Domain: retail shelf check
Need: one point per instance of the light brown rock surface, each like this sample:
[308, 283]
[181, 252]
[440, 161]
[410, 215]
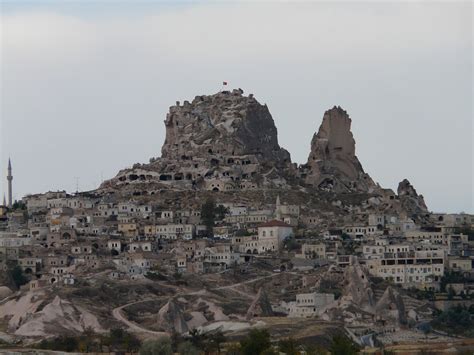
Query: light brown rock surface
[391, 307]
[332, 163]
[221, 142]
[171, 318]
[409, 198]
[57, 317]
[225, 124]
[227, 144]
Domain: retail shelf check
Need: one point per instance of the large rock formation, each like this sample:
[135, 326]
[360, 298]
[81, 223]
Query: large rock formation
[332, 163]
[360, 305]
[220, 142]
[25, 317]
[227, 142]
[223, 125]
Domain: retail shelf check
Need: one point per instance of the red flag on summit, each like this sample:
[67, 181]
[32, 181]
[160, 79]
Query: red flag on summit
[224, 83]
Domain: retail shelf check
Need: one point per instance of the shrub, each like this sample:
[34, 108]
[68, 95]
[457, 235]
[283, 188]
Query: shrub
[18, 277]
[187, 348]
[342, 345]
[161, 346]
[256, 342]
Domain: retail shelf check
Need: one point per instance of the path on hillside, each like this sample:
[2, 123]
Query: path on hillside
[118, 312]
[118, 315]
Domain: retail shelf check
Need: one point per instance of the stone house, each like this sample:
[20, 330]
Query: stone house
[38, 284]
[138, 246]
[271, 236]
[181, 263]
[195, 267]
[61, 237]
[128, 229]
[308, 304]
[115, 245]
[312, 251]
[175, 231]
[30, 265]
[418, 269]
[460, 264]
[8, 253]
[222, 255]
[360, 231]
[83, 248]
[51, 261]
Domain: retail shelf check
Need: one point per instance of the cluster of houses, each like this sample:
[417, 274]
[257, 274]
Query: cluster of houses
[402, 253]
[57, 238]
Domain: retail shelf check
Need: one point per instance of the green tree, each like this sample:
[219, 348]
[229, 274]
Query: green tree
[291, 244]
[176, 339]
[187, 348]
[161, 346]
[288, 346]
[451, 293]
[131, 342]
[197, 338]
[215, 341]
[315, 350]
[221, 212]
[342, 345]
[18, 277]
[234, 349]
[121, 340]
[450, 278]
[208, 215]
[62, 343]
[455, 320]
[256, 342]
[18, 205]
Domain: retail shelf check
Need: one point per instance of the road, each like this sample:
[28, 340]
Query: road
[118, 314]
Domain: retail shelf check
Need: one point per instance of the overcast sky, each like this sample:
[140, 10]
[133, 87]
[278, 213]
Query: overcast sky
[85, 86]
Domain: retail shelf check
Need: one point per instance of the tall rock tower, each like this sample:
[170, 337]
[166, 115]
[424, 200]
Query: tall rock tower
[332, 161]
[10, 189]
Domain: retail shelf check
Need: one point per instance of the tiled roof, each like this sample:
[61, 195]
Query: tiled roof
[274, 223]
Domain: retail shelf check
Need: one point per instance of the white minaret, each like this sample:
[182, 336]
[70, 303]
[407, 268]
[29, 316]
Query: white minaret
[10, 189]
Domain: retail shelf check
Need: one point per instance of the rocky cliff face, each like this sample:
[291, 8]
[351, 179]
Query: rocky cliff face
[410, 200]
[227, 142]
[221, 142]
[332, 163]
[171, 318]
[222, 125]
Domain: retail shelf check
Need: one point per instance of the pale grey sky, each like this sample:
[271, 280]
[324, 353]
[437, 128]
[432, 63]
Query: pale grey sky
[85, 87]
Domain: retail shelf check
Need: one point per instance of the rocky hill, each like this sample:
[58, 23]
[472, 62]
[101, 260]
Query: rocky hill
[221, 142]
[227, 143]
[332, 163]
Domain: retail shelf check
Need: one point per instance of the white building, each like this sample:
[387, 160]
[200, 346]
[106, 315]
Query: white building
[418, 269]
[271, 236]
[309, 304]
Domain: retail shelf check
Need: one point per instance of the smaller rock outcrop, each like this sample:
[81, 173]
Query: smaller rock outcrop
[332, 163]
[58, 317]
[357, 288]
[171, 318]
[410, 200]
[390, 307]
[260, 306]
